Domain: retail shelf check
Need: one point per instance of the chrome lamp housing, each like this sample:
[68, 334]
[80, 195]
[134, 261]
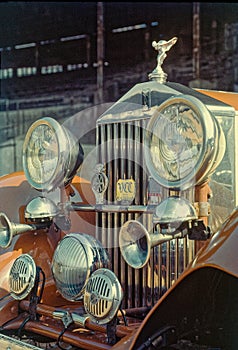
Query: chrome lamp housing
[41, 209]
[75, 258]
[51, 155]
[184, 143]
[172, 212]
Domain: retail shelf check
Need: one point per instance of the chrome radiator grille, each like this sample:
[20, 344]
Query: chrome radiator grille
[120, 150]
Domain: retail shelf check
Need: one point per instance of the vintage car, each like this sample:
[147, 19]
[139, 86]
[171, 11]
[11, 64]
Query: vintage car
[133, 243]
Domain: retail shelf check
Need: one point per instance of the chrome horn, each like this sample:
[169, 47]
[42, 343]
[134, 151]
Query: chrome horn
[136, 242]
[173, 218]
[10, 229]
[40, 209]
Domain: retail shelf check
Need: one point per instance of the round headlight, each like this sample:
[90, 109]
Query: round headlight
[51, 155]
[183, 143]
[76, 257]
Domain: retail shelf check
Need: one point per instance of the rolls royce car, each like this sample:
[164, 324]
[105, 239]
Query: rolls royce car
[131, 244]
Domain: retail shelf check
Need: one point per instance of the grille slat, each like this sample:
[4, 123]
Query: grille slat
[121, 151]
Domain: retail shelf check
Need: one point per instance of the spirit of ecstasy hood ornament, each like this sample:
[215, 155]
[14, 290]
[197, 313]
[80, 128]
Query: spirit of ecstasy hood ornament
[162, 47]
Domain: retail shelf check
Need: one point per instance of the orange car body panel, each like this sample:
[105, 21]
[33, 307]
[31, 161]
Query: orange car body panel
[230, 98]
[15, 193]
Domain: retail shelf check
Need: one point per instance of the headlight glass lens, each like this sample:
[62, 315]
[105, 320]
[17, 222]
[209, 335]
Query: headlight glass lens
[75, 258]
[41, 154]
[51, 155]
[181, 143]
[176, 142]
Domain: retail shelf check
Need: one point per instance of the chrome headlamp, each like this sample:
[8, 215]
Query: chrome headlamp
[76, 257]
[51, 155]
[184, 143]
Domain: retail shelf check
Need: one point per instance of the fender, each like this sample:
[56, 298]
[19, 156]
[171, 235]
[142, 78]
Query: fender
[15, 193]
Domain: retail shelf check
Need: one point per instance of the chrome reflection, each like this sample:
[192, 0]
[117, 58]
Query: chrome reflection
[51, 155]
[76, 257]
[41, 209]
[172, 212]
[184, 143]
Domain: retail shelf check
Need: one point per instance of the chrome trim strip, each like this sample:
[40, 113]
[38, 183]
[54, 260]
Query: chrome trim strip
[112, 208]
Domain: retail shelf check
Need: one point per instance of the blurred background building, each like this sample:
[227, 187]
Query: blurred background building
[58, 58]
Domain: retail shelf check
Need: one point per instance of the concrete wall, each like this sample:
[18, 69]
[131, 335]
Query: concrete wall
[11, 156]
